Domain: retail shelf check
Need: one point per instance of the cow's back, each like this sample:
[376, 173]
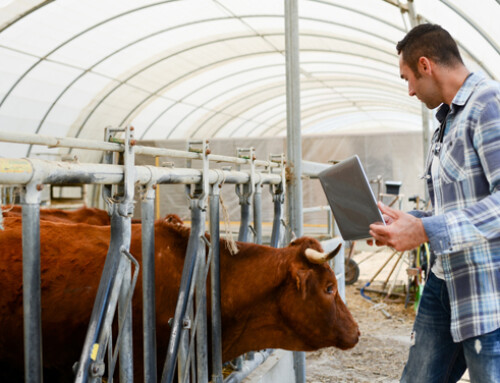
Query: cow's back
[89, 215]
[72, 259]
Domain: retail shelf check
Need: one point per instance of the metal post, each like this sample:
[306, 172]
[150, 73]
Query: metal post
[278, 198]
[215, 285]
[126, 209]
[125, 317]
[148, 284]
[294, 147]
[245, 211]
[182, 301]
[257, 213]
[32, 294]
[90, 366]
[201, 314]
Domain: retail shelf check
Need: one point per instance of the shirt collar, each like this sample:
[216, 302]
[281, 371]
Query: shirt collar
[466, 89]
[462, 95]
[442, 112]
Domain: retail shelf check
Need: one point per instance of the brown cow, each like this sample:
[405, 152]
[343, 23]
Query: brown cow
[89, 215]
[271, 298]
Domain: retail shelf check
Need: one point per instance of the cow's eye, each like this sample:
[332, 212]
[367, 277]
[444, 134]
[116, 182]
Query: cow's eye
[329, 289]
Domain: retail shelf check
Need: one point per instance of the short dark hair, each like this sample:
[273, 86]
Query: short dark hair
[431, 41]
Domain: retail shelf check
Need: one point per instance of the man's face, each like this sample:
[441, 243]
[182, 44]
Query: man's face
[423, 86]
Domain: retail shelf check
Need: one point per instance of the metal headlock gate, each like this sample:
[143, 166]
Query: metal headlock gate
[118, 176]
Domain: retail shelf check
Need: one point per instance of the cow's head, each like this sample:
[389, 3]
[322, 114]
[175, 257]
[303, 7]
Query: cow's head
[310, 303]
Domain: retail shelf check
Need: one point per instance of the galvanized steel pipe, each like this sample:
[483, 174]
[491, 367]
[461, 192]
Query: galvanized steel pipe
[32, 294]
[148, 285]
[21, 171]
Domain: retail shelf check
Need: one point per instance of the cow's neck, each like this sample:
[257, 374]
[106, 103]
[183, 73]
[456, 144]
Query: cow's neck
[257, 328]
[251, 281]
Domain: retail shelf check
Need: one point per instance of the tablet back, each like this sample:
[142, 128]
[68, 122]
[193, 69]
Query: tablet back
[351, 198]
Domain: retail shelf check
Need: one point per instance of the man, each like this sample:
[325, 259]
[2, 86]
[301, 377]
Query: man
[458, 321]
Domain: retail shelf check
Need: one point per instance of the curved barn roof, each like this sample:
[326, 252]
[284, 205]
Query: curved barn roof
[200, 68]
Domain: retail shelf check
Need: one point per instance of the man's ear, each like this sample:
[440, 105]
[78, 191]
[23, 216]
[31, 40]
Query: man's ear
[424, 65]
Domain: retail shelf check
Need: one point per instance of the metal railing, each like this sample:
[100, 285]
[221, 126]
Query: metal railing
[119, 178]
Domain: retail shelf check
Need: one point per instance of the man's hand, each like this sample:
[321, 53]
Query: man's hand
[402, 232]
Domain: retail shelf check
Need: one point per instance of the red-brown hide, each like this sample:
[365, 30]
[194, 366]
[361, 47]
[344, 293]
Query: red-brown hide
[89, 215]
[271, 298]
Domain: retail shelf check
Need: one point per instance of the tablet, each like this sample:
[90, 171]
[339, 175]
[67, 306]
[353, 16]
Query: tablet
[351, 198]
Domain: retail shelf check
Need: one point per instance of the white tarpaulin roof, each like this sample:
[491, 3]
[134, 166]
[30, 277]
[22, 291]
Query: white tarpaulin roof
[200, 68]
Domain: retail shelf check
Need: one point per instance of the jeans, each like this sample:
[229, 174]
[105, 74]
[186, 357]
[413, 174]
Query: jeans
[435, 358]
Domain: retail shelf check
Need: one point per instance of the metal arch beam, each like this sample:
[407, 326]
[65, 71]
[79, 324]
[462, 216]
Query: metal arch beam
[314, 99]
[322, 124]
[73, 38]
[238, 101]
[308, 97]
[26, 13]
[218, 95]
[163, 2]
[190, 73]
[86, 70]
[160, 89]
[330, 116]
[228, 90]
[241, 99]
[354, 103]
[384, 104]
[276, 126]
[359, 12]
[343, 125]
[38, 129]
[89, 69]
[329, 51]
[225, 77]
[203, 87]
[302, 97]
[149, 66]
[345, 121]
[405, 9]
[472, 24]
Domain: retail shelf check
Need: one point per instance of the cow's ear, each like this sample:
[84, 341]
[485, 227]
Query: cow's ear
[301, 279]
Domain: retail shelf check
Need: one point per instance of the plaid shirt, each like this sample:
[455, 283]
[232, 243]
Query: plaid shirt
[466, 232]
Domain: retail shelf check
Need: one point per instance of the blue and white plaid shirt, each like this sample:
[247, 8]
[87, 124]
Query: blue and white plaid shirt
[466, 232]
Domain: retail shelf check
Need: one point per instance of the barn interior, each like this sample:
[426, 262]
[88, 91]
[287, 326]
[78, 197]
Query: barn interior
[295, 84]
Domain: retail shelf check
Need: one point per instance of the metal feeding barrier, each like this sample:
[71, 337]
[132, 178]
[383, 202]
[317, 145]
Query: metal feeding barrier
[187, 348]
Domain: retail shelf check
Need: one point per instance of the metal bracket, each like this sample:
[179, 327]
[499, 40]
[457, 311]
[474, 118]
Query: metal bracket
[125, 196]
[31, 193]
[278, 191]
[246, 195]
[201, 190]
[147, 191]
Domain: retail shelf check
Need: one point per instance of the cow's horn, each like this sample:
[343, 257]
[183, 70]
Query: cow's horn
[316, 256]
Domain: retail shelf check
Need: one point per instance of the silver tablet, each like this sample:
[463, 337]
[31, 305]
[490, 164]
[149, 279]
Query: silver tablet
[351, 198]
